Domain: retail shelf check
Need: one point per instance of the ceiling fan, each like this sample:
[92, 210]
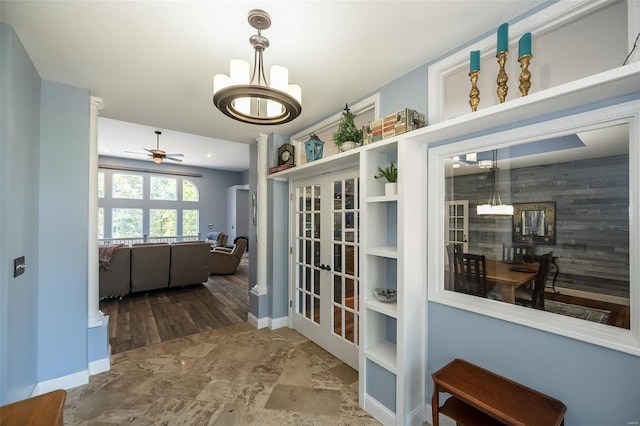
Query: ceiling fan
[157, 155]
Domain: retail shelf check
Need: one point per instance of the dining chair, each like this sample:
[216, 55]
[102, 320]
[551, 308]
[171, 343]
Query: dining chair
[533, 295]
[470, 274]
[452, 250]
[515, 252]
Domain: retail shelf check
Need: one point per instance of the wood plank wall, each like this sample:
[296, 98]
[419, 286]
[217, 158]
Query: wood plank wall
[592, 218]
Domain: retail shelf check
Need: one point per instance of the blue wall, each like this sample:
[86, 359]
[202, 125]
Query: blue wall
[599, 386]
[63, 230]
[19, 162]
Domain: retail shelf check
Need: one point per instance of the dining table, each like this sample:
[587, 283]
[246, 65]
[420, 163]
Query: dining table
[507, 276]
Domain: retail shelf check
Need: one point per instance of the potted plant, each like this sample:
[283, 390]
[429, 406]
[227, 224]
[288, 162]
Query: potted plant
[390, 173]
[348, 136]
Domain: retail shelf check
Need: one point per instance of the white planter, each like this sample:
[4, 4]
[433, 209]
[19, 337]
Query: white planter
[391, 189]
[347, 145]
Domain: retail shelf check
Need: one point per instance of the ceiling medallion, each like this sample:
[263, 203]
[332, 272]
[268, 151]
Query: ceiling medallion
[253, 100]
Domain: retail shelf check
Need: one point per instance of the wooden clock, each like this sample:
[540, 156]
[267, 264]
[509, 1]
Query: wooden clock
[286, 155]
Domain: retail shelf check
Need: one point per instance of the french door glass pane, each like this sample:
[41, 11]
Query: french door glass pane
[349, 189]
[337, 288]
[337, 226]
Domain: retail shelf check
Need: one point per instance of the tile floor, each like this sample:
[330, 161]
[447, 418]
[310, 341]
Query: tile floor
[235, 375]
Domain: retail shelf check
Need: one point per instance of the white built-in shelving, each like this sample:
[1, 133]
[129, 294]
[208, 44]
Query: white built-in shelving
[392, 363]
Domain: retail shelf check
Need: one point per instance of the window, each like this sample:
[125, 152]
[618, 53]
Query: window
[100, 222]
[126, 223]
[574, 179]
[163, 223]
[100, 185]
[127, 186]
[190, 222]
[168, 208]
[163, 188]
[189, 191]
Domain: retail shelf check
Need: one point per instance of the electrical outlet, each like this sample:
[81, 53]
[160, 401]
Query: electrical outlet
[19, 266]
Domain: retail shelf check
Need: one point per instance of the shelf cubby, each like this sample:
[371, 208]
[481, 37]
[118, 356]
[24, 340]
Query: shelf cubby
[380, 342]
[381, 385]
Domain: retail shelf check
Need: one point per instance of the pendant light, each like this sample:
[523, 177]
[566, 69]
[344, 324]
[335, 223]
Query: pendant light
[254, 101]
[494, 206]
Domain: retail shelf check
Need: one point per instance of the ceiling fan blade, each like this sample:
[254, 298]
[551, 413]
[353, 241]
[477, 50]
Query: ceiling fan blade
[148, 150]
[174, 155]
[173, 159]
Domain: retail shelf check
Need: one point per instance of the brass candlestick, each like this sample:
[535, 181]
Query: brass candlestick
[474, 95]
[525, 74]
[502, 76]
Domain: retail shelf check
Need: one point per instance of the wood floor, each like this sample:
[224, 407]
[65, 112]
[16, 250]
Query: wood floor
[143, 319]
[619, 316]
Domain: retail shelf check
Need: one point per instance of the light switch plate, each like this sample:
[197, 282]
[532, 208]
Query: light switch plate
[19, 266]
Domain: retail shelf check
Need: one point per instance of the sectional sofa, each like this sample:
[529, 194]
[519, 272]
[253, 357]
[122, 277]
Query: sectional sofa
[151, 266]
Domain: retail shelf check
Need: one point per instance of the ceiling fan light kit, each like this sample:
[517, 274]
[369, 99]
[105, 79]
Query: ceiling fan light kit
[251, 99]
[157, 155]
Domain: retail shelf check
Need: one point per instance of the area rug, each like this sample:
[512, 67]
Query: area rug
[576, 311]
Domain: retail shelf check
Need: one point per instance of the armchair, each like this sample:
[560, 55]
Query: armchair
[225, 262]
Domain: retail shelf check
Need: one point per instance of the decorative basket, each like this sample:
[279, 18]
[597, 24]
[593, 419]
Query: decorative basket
[385, 295]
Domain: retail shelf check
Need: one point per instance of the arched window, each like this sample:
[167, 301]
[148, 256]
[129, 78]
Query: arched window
[189, 191]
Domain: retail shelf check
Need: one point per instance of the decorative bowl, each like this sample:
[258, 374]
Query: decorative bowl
[385, 295]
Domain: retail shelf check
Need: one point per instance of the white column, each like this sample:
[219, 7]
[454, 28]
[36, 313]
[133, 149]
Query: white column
[261, 218]
[95, 315]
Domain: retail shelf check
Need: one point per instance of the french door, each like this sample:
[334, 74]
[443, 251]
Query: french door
[325, 287]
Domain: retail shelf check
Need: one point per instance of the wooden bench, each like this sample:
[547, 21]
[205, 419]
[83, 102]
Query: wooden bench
[43, 410]
[480, 397]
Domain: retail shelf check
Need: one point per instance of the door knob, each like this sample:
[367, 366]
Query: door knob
[324, 267]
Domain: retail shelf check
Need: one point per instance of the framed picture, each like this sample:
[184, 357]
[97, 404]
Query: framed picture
[534, 223]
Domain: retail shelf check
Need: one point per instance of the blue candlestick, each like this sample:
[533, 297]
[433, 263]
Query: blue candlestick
[474, 62]
[524, 45]
[503, 38]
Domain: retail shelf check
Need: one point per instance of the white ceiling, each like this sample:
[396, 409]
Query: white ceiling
[152, 62]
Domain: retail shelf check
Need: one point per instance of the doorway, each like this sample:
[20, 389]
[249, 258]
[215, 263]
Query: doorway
[325, 288]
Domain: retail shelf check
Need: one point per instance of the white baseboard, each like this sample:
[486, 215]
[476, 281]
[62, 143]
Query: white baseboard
[379, 411]
[417, 416]
[276, 323]
[99, 366]
[267, 322]
[257, 322]
[65, 382]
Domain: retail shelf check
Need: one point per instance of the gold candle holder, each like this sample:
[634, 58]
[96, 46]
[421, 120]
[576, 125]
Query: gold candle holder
[474, 95]
[502, 76]
[525, 74]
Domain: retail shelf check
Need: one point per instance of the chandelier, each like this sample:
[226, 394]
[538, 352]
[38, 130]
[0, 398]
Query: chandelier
[253, 100]
[494, 206]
